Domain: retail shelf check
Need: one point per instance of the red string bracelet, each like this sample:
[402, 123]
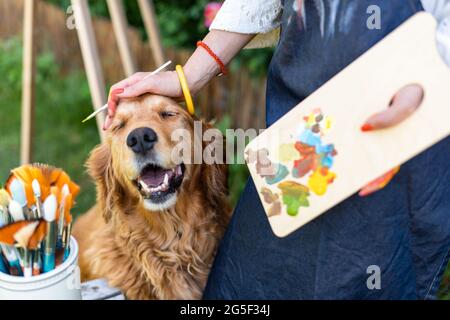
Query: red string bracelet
[223, 69]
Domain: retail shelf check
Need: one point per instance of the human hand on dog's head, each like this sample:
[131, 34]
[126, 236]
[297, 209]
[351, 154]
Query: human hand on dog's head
[164, 83]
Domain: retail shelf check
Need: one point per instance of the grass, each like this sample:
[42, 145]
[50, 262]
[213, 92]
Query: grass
[62, 101]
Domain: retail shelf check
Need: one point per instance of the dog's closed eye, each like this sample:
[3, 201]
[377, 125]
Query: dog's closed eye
[167, 114]
[119, 126]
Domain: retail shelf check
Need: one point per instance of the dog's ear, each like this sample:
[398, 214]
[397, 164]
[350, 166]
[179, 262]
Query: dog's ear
[99, 167]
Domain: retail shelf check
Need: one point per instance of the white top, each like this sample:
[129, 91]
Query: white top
[263, 17]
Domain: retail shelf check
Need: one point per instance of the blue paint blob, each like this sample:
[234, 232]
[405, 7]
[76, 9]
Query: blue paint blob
[327, 162]
[282, 172]
[310, 138]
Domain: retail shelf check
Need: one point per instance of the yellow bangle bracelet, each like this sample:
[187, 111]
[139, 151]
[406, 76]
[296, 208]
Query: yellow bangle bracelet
[185, 89]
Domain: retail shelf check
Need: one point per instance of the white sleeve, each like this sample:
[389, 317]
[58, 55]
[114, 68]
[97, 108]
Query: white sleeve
[440, 9]
[261, 17]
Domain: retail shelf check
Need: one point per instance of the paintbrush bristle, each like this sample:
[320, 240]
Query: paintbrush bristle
[4, 202]
[65, 190]
[23, 235]
[4, 198]
[38, 235]
[55, 191]
[7, 232]
[64, 179]
[4, 217]
[27, 234]
[17, 190]
[28, 173]
[15, 210]
[36, 188]
[68, 203]
[50, 206]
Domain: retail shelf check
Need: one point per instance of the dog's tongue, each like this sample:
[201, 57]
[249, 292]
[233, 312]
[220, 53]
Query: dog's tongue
[153, 177]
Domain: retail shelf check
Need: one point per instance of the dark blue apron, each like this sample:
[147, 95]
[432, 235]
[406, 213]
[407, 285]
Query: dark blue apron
[403, 230]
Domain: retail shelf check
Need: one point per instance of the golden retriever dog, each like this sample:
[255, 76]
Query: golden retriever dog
[156, 225]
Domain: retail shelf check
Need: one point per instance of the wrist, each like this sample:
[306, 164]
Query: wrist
[197, 78]
[199, 70]
[191, 78]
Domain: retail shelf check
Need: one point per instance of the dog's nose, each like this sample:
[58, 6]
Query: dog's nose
[142, 140]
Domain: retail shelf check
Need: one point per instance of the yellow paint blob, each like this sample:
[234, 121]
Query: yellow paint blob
[320, 179]
[288, 152]
[328, 123]
[311, 119]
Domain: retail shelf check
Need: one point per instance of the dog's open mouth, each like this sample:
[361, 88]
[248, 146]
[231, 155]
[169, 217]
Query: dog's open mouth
[157, 184]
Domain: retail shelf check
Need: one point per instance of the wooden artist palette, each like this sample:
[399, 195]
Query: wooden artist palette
[316, 155]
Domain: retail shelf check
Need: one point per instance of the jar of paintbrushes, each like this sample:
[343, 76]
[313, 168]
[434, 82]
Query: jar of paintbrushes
[38, 256]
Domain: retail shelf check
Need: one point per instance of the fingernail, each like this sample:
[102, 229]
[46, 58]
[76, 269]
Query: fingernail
[363, 193]
[367, 127]
[115, 92]
[110, 108]
[118, 90]
[106, 123]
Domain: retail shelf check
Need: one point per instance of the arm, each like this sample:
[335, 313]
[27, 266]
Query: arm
[199, 70]
[234, 26]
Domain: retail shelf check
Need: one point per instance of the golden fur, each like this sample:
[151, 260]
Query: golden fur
[163, 254]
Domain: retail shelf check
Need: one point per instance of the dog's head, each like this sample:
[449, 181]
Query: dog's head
[137, 162]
